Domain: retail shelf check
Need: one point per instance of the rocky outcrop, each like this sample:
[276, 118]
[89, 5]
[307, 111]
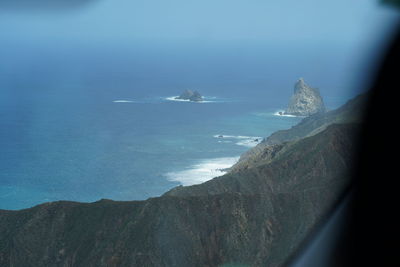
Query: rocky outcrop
[190, 95]
[351, 112]
[305, 100]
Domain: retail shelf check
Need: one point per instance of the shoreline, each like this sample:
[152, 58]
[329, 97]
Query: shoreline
[203, 171]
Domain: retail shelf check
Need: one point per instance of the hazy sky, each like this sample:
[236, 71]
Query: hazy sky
[131, 21]
[238, 43]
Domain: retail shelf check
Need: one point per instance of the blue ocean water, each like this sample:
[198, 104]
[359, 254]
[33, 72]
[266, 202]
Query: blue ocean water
[115, 132]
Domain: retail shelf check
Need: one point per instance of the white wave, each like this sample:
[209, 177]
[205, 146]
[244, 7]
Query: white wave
[281, 113]
[123, 101]
[203, 171]
[234, 136]
[224, 141]
[174, 98]
[247, 141]
[205, 99]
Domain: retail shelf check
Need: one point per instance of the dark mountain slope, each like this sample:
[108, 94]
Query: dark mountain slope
[351, 112]
[257, 217]
[315, 161]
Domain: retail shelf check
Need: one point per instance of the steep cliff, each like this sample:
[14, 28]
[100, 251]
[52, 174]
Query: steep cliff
[351, 112]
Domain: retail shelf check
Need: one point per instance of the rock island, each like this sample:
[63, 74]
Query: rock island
[190, 95]
[305, 101]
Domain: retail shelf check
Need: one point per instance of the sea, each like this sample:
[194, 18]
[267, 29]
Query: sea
[84, 125]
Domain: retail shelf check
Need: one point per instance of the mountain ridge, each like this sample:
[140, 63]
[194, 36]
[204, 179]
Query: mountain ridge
[351, 112]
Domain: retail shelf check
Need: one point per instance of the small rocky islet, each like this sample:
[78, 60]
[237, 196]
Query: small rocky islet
[190, 95]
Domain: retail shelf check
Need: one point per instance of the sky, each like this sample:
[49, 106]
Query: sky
[159, 21]
[55, 40]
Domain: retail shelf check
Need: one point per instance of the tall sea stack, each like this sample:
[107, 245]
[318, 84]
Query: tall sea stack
[305, 100]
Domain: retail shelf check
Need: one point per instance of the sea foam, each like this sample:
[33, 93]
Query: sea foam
[174, 98]
[206, 99]
[280, 113]
[202, 171]
[240, 140]
[123, 101]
